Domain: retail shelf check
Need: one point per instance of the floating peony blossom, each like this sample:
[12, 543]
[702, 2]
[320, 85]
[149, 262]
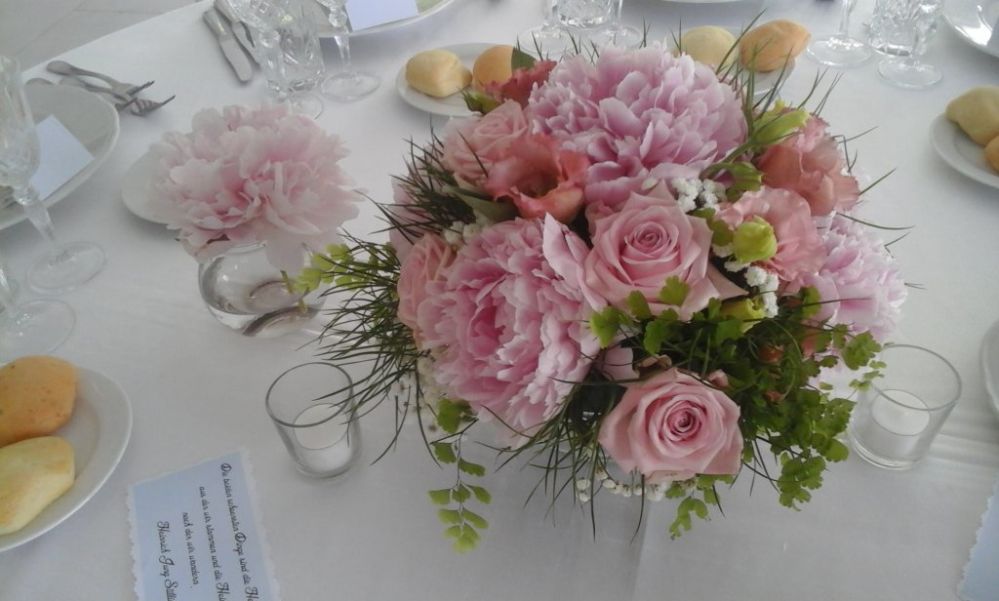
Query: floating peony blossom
[244, 176]
[472, 145]
[506, 330]
[638, 115]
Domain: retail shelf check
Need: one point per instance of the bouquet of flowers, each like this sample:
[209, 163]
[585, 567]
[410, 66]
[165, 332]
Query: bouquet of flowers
[632, 269]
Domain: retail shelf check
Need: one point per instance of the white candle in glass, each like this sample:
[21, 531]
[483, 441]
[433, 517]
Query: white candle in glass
[899, 422]
[324, 447]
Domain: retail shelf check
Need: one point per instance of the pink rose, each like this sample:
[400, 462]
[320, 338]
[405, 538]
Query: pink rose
[799, 245]
[811, 164]
[644, 244]
[421, 275]
[539, 178]
[518, 87]
[471, 146]
[673, 427]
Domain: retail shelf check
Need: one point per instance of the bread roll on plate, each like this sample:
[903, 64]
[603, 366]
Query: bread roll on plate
[494, 66]
[992, 154]
[709, 45]
[437, 73]
[37, 396]
[977, 113]
[33, 474]
[769, 46]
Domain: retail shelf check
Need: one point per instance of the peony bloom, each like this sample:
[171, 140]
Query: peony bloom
[811, 164]
[506, 330]
[862, 277]
[245, 176]
[539, 178]
[638, 114]
[799, 245]
[645, 243]
[523, 81]
[472, 145]
[673, 427]
[422, 274]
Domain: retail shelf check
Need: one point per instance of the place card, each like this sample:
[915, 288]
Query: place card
[365, 13]
[60, 157]
[981, 578]
[196, 536]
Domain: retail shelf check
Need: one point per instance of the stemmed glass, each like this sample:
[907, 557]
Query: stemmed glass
[349, 84]
[549, 37]
[64, 266]
[918, 17]
[31, 328]
[839, 49]
[618, 34]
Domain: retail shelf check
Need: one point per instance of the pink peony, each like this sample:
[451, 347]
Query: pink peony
[638, 114]
[645, 243]
[539, 178]
[523, 81]
[673, 427]
[799, 246]
[472, 145]
[811, 164]
[245, 176]
[507, 331]
[861, 277]
[422, 275]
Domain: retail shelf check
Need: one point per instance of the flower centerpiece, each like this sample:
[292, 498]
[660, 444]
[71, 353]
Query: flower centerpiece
[633, 270]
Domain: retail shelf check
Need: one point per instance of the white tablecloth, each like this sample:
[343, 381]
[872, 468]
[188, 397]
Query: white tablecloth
[197, 389]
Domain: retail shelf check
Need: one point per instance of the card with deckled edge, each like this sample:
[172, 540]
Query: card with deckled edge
[981, 574]
[60, 157]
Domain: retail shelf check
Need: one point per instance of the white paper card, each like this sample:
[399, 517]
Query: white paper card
[369, 13]
[196, 536]
[60, 157]
[981, 574]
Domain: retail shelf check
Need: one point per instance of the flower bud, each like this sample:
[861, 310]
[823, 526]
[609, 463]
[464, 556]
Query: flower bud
[754, 240]
[747, 310]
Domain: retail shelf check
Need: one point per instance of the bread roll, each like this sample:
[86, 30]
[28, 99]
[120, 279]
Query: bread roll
[33, 473]
[977, 113]
[495, 65]
[37, 396]
[992, 153]
[437, 73]
[769, 46]
[709, 45]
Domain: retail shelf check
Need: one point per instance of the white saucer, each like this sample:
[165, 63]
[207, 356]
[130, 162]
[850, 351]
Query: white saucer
[453, 105]
[136, 189]
[99, 431]
[960, 152]
[90, 119]
[976, 22]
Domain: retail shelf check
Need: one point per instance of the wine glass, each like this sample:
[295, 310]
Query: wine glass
[548, 38]
[64, 266]
[618, 34]
[917, 20]
[349, 84]
[839, 49]
[34, 327]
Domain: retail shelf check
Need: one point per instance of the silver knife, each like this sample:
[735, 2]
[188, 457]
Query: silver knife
[233, 53]
[239, 28]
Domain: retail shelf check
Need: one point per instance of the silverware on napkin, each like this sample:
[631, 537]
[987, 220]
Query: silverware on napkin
[227, 42]
[239, 28]
[123, 91]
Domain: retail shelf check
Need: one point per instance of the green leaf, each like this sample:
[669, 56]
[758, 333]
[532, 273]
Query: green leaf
[449, 415]
[479, 102]
[730, 329]
[675, 491]
[449, 516]
[605, 325]
[674, 292]
[467, 540]
[440, 497]
[461, 494]
[481, 494]
[453, 532]
[494, 210]
[521, 59]
[475, 519]
[859, 350]
[655, 335]
[638, 306]
[444, 452]
[836, 451]
[472, 469]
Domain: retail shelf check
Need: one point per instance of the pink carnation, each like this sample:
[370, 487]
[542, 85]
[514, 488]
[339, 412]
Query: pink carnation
[507, 330]
[245, 176]
[799, 246]
[422, 275]
[811, 164]
[472, 145]
[673, 427]
[518, 88]
[638, 114]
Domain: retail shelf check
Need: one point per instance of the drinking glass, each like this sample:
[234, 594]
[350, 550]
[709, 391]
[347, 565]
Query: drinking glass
[617, 34]
[904, 28]
[349, 84]
[64, 266]
[313, 410]
[549, 39]
[585, 17]
[34, 327]
[840, 49]
[897, 417]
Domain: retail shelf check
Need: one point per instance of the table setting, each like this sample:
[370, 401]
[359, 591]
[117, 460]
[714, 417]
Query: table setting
[460, 299]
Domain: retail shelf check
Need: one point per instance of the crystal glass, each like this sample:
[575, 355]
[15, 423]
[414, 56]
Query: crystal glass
[585, 16]
[349, 84]
[840, 49]
[904, 27]
[899, 415]
[289, 51]
[34, 327]
[312, 408]
[64, 266]
[548, 39]
[617, 34]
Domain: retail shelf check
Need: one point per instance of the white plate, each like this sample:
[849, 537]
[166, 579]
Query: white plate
[453, 105]
[977, 21]
[136, 189]
[990, 364]
[93, 122]
[426, 8]
[99, 432]
[960, 152]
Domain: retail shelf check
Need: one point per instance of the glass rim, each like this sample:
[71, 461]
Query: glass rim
[349, 388]
[945, 406]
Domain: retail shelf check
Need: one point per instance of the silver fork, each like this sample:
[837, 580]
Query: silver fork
[141, 106]
[117, 100]
[123, 90]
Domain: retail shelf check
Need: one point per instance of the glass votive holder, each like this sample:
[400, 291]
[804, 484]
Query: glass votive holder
[313, 410]
[897, 417]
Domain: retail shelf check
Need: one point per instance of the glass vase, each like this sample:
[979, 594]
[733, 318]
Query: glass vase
[246, 293]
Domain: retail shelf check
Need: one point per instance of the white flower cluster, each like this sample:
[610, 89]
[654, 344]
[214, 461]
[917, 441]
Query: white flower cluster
[652, 492]
[766, 282]
[694, 193]
[459, 232]
[431, 392]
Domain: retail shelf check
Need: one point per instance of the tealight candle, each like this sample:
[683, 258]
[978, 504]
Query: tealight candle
[324, 438]
[899, 418]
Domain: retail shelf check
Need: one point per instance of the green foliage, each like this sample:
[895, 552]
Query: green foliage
[462, 524]
[674, 292]
[605, 324]
[638, 306]
[521, 60]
